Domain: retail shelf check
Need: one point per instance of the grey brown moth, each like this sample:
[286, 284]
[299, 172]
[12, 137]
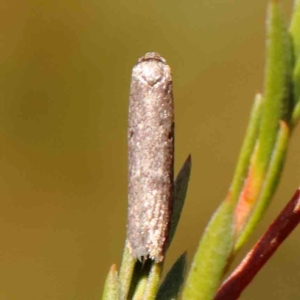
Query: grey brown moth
[150, 157]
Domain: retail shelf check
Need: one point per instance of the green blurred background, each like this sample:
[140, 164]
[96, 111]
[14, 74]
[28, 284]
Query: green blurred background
[64, 84]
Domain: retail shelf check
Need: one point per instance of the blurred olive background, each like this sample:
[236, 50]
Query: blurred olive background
[64, 85]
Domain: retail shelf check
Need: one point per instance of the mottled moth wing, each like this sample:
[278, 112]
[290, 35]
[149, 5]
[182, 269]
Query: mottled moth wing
[150, 157]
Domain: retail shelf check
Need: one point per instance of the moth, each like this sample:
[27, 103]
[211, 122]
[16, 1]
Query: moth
[150, 157]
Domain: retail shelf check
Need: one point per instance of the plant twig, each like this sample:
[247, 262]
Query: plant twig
[284, 224]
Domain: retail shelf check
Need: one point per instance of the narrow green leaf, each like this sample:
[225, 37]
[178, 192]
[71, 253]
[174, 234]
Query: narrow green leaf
[278, 94]
[277, 106]
[111, 289]
[140, 288]
[270, 184]
[171, 285]
[180, 190]
[296, 80]
[126, 273]
[296, 114]
[295, 35]
[211, 257]
[247, 149]
[139, 280]
[295, 29]
[153, 281]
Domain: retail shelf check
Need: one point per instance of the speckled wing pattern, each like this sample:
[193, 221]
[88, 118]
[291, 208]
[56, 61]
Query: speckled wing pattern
[150, 157]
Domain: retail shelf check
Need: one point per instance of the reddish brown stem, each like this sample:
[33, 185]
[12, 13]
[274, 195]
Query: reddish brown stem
[279, 230]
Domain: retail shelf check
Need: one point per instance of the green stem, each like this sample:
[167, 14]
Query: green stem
[269, 185]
